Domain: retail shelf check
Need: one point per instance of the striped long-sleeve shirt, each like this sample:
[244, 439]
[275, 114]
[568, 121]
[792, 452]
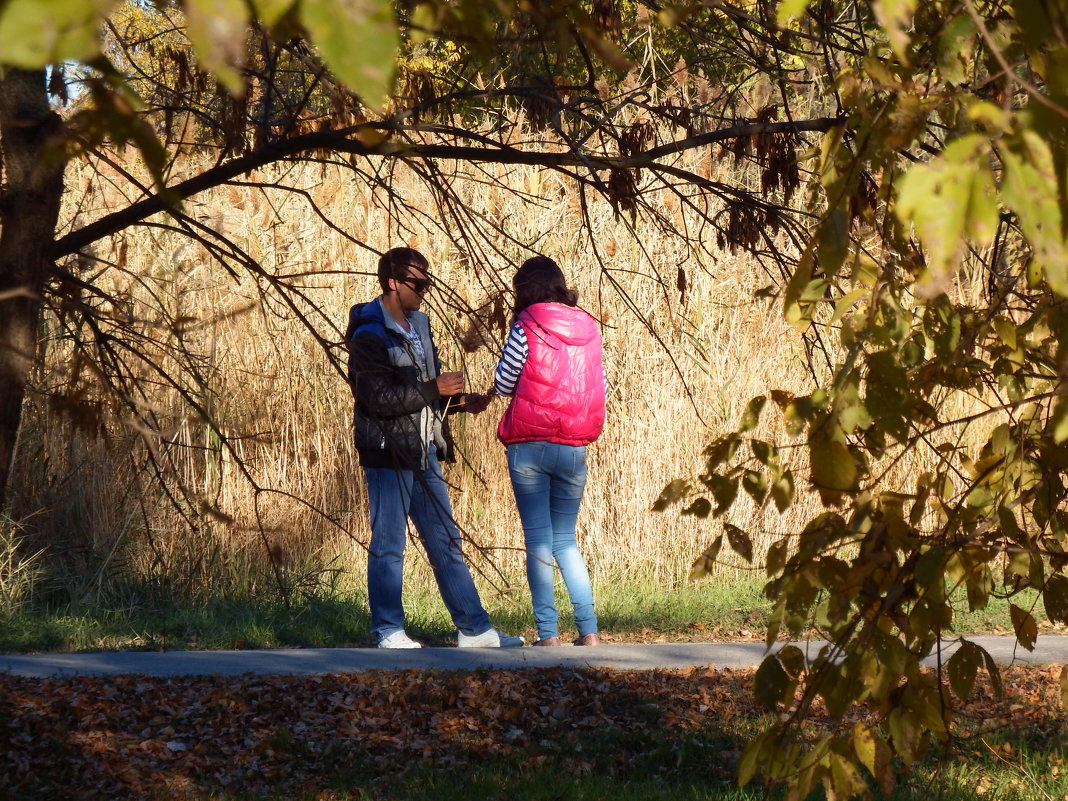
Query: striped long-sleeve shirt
[513, 357]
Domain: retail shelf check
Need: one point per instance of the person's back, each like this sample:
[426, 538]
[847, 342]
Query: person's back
[559, 396]
[552, 368]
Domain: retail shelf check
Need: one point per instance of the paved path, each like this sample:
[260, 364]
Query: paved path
[1050, 649]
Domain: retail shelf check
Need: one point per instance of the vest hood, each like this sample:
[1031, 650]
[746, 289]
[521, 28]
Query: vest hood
[570, 324]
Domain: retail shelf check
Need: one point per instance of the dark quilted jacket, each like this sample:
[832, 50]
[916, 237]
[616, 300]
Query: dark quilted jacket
[390, 391]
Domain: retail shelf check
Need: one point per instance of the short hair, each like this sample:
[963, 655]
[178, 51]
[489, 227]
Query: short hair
[395, 263]
[540, 280]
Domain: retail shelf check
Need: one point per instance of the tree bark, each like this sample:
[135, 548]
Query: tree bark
[31, 188]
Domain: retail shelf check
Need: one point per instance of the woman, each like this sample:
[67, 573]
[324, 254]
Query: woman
[551, 367]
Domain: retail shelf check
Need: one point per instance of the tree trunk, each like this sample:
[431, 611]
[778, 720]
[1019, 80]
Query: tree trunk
[31, 188]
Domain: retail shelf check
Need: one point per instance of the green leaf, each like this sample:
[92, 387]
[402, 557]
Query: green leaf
[955, 47]
[979, 582]
[832, 248]
[930, 567]
[886, 398]
[994, 672]
[670, 494]
[704, 563]
[700, 508]
[762, 451]
[853, 416]
[217, 29]
[942, 325]
[904, 733]
[782, 491]
[874, 754]
[751, 415]
[1055, 598]
[833, 467]
[724, 490]
[1059, 421]
[756, 484]
[796, 315]
[962, 667]
[789, 10]
[1006, 331]
[721, 450]
[1030, 188]
[358, 40]
[895, 16]
[847, 302]
[772, 685]
[739, 541]
[1025, 626]
[775, 560]
[990, 116]
[751, 757]
[34, 33]
[270, 11]
[950, 200]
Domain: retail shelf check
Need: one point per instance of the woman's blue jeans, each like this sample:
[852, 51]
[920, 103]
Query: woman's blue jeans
[548, 480]
[396, 495]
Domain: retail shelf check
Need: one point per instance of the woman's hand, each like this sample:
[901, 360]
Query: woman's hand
[475, 403]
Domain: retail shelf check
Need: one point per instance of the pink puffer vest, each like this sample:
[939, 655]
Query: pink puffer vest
[560, 393]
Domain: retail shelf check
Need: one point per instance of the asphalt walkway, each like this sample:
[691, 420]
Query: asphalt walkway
[1050, 649]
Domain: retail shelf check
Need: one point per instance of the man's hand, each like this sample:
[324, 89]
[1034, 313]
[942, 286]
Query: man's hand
[474, 403]
[450, 383]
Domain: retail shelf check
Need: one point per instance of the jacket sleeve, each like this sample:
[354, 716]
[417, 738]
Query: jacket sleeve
[381, 389]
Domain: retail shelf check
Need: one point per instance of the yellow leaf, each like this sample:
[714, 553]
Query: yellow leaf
[864, 745]
[1025, 626]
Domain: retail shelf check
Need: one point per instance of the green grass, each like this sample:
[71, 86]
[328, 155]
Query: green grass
[622, 767]
[630, 608]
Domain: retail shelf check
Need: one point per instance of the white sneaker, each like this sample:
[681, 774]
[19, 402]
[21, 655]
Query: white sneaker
[398, 639]
[490, 638]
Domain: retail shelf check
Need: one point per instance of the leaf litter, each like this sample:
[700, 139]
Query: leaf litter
[191, 737]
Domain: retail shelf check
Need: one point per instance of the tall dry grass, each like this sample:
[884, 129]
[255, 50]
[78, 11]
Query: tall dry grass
[681, 368]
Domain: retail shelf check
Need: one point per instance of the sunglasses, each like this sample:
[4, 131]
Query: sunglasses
[418, 285]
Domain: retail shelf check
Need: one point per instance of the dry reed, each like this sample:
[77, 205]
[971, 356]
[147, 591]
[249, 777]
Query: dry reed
[680, 367]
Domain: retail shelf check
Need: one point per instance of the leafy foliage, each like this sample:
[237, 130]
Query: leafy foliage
[951, 165]
[940, 165]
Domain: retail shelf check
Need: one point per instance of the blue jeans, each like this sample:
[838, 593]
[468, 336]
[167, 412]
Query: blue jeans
[548, 480]
[394, 496]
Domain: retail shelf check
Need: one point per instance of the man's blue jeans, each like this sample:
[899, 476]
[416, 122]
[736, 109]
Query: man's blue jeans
[396, 495]
[548, 480]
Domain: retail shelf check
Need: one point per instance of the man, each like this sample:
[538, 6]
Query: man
[402, 399]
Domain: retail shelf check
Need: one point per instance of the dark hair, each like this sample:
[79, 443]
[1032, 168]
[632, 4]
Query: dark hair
[540, 280]
[395, 263]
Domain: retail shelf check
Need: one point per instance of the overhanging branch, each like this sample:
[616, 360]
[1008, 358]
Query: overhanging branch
[343, 141]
